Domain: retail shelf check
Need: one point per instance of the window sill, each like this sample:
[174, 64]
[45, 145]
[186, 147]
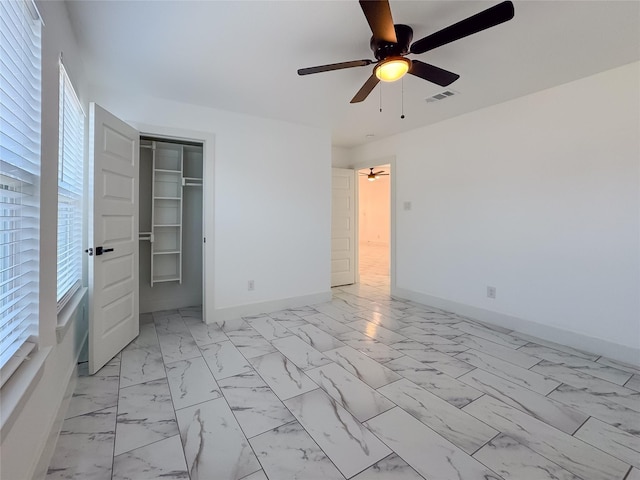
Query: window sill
[68, 313]
[17, 389]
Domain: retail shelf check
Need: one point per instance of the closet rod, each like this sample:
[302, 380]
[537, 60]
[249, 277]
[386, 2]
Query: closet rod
[191, 182]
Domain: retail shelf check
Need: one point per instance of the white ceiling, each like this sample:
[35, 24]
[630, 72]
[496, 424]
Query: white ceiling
[243, 56]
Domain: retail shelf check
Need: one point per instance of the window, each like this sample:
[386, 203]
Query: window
[70, 188]
[20, 98]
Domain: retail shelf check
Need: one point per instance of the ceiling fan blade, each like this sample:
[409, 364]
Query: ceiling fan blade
[432, 74]
[364, 92]
[378, 14]
[476, 23]
[334, 66]
[378, 172]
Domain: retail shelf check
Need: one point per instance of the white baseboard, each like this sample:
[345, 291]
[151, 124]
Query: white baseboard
[71, 377]
[550, 333]
[373, 244]
[223, 314]
[170, 302]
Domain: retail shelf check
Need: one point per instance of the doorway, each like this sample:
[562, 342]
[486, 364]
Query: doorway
[374, 226]
[171, 224]
[123, 214]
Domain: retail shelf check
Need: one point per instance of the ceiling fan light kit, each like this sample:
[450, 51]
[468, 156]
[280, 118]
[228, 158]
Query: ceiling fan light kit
[391, 43]
[392, 69]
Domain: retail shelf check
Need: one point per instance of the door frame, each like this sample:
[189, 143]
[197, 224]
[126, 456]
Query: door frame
[391, 161]
[208, 197]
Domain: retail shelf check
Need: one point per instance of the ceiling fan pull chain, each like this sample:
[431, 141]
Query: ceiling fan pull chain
[402, 100]
[380, 98]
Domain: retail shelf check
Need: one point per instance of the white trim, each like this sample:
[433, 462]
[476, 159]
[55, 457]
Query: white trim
[208, 202]
[15, 361]
[67, 297]
[19, 387]
[173, 302]
[40, 471]
[229, 313]
[374, 244]
[356, 237]
[35, 13]
[69, 312]
[550, 333]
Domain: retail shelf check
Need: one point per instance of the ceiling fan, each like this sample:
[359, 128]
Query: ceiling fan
[390, 45]
[371, 176]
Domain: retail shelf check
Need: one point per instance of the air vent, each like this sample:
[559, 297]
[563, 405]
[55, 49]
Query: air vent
[441, 96]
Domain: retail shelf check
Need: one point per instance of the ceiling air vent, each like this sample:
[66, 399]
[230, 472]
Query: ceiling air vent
[441, 96]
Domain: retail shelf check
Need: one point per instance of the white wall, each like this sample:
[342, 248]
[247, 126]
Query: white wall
[538, 197]
[340, 157]
[270, 202]
[24, 443]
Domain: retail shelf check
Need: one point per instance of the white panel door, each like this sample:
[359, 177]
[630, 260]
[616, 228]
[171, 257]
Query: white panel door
[343, 234]
[113, 236]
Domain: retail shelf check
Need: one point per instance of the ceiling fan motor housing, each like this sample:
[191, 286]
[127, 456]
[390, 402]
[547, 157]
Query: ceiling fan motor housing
[383, 49]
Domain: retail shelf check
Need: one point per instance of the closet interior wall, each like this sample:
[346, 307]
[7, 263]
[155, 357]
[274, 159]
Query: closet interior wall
[171, 221]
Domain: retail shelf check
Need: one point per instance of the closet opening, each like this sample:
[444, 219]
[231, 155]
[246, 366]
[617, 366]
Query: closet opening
[171, 224]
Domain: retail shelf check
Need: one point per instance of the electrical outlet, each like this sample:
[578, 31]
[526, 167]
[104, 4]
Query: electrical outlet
[491, 292]
[251, 285]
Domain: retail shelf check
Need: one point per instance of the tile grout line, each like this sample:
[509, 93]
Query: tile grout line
[115, 427]
[283, 404]
[175, 417]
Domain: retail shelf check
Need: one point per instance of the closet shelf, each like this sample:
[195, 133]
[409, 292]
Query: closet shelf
[172, 166]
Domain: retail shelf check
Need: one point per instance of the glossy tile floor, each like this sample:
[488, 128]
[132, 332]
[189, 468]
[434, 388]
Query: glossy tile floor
[374, 264]
[363, 387]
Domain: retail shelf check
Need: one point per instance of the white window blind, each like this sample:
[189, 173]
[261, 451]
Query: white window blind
[70, 189]
[20, 98]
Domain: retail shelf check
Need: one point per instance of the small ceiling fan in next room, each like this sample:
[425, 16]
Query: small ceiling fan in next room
[371, 176]
[391, 43]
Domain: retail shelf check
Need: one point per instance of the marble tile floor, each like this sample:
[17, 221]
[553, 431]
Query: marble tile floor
[364, 387]
[374, 258]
